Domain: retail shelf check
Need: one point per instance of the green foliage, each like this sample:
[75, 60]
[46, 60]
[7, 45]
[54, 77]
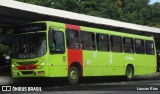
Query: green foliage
[133, 11]
[5, 49]
[155, 15]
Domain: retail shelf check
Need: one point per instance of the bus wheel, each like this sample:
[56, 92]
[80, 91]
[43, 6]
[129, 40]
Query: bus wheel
[73, 76]
[129, 73]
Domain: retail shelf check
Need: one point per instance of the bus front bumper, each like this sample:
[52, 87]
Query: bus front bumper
[29, 73]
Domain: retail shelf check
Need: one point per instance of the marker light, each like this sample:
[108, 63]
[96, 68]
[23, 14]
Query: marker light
[41, 72]
[42, 64]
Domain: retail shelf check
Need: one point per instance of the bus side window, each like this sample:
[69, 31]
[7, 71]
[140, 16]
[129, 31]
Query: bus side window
[128, 45]
[116, 44]
[149, 47]
[72, 37]
[57, 42]
[139, 46]
[88, 41]
[103, 42]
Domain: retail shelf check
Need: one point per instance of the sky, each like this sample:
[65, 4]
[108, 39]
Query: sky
[153, 1]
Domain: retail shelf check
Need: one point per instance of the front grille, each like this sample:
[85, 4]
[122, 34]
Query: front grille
[27, 63]
[27, 72]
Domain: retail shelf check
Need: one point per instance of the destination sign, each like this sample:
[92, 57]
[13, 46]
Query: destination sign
[30, 28]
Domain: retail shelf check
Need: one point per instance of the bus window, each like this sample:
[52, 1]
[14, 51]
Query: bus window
[139, 46]
[149, 47]
[72, 37]
[116, 44]
[103, 42]
[57, 43]
[128, 45]
[88, 41]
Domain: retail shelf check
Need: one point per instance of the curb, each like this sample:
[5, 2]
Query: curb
[154, 75]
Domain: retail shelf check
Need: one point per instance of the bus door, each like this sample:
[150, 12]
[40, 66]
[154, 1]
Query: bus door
[58, 58]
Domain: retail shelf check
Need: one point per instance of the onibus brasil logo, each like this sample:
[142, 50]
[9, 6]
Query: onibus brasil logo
[14, 88]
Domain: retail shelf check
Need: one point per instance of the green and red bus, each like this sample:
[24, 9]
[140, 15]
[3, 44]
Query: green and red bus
[53, 49]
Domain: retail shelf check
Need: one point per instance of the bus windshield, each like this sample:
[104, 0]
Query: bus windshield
[29, 45]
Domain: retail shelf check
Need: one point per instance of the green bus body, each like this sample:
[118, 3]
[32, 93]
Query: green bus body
[90, 62]
[143, 64]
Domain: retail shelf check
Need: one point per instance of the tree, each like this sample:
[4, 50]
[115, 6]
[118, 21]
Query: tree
[133, 11]
[155, 15]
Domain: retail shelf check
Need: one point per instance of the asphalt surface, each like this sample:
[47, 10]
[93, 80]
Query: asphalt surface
[99, 85]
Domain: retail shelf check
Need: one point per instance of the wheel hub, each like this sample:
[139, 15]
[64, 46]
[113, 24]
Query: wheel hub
[73, 75]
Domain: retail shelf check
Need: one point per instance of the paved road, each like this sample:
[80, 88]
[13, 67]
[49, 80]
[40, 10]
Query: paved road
[105, 85]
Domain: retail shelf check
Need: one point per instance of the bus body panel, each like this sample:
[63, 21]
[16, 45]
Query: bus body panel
[117, 62]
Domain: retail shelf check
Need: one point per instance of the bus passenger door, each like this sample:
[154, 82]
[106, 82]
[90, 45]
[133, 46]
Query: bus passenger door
[57, 60]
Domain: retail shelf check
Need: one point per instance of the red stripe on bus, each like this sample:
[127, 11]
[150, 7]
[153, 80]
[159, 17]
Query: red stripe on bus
[74, 55]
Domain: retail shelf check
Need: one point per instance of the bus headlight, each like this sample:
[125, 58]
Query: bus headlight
[42, 64]
[13, 66]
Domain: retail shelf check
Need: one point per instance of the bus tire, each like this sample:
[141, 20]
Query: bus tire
[129, 73]
[74, 75]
